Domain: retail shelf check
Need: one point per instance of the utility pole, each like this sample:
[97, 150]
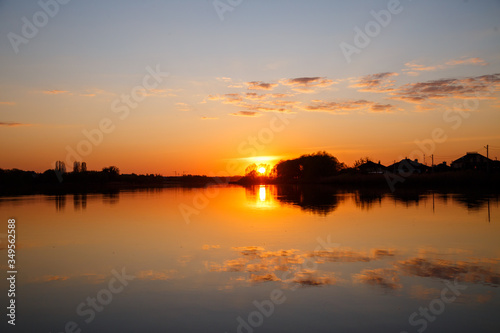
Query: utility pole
[487, 151]
[432, 156]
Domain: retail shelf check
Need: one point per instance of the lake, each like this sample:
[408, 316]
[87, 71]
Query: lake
[256, 259]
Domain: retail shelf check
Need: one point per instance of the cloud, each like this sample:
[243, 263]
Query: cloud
[210, 247]
[474, 272]
[468, 61]
[259, 85]
[255, 278]
[264, 108]
[10, 124]
[427, 107]
[223, 79]
[420, 292]
[307, 84]
[208, 118]
[94, 92]
[347, 255]
[480, 87]
[376, 107]
[157, 92]
[236, 265]
[157, 275]
[227, 98]
[249, 250]
[283, 103]
[312, 278]
[255, 96]
[346, 106]
[382, 277]
[414, 69]
[183, 106]
[379, 82]
[7, 103]
[55, 92]
[50, 278]
[183, 260]
[246, 114]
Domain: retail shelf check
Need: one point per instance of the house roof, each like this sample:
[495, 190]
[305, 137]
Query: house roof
[472, 157]
[370, 164]
[405, 162]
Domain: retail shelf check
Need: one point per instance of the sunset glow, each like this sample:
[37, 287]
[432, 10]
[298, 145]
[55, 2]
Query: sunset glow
[250, 166]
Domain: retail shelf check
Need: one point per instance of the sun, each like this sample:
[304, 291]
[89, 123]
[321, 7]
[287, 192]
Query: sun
[261, 170]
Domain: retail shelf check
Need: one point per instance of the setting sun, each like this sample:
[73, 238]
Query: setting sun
[262, 170]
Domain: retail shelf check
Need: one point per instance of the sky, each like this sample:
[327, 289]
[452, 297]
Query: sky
[209, 87]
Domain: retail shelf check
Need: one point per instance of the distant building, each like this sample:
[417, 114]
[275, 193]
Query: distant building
[77, 167]
[472, 161]
[60, 167]
[371, 167]
[406, 166]
[83, 167]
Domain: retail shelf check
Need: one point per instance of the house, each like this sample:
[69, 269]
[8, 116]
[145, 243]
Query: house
[407, 166]
[371, 167]
[472, 161]
[443, 167]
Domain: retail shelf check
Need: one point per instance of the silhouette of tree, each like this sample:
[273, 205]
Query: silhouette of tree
[250, 169]
[361, 161]
[308, 167]
[111, 171]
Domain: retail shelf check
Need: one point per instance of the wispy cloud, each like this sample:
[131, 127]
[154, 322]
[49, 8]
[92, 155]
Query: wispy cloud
[379, 82]
[7, 103]
[382, 277]
[467, 61]
[259, 85]
[158, 92]
[345, 107]
[307, 84]
[413, 68]
[471, 87]
[183, 106]
[226, 98]
[210, 247]
[223, 79]
[55, 92]
[157, 275]
[10, 124]
[474, 272]
[208, 118]
[246, 114]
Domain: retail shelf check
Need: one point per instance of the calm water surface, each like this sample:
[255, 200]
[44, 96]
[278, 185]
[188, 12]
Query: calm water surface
[261, 259]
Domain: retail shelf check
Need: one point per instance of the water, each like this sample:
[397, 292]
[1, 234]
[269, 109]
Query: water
[261, 259]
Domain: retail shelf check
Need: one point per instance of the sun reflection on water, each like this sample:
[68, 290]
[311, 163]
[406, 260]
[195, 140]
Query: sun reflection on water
[262, 196]
[262, 193]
